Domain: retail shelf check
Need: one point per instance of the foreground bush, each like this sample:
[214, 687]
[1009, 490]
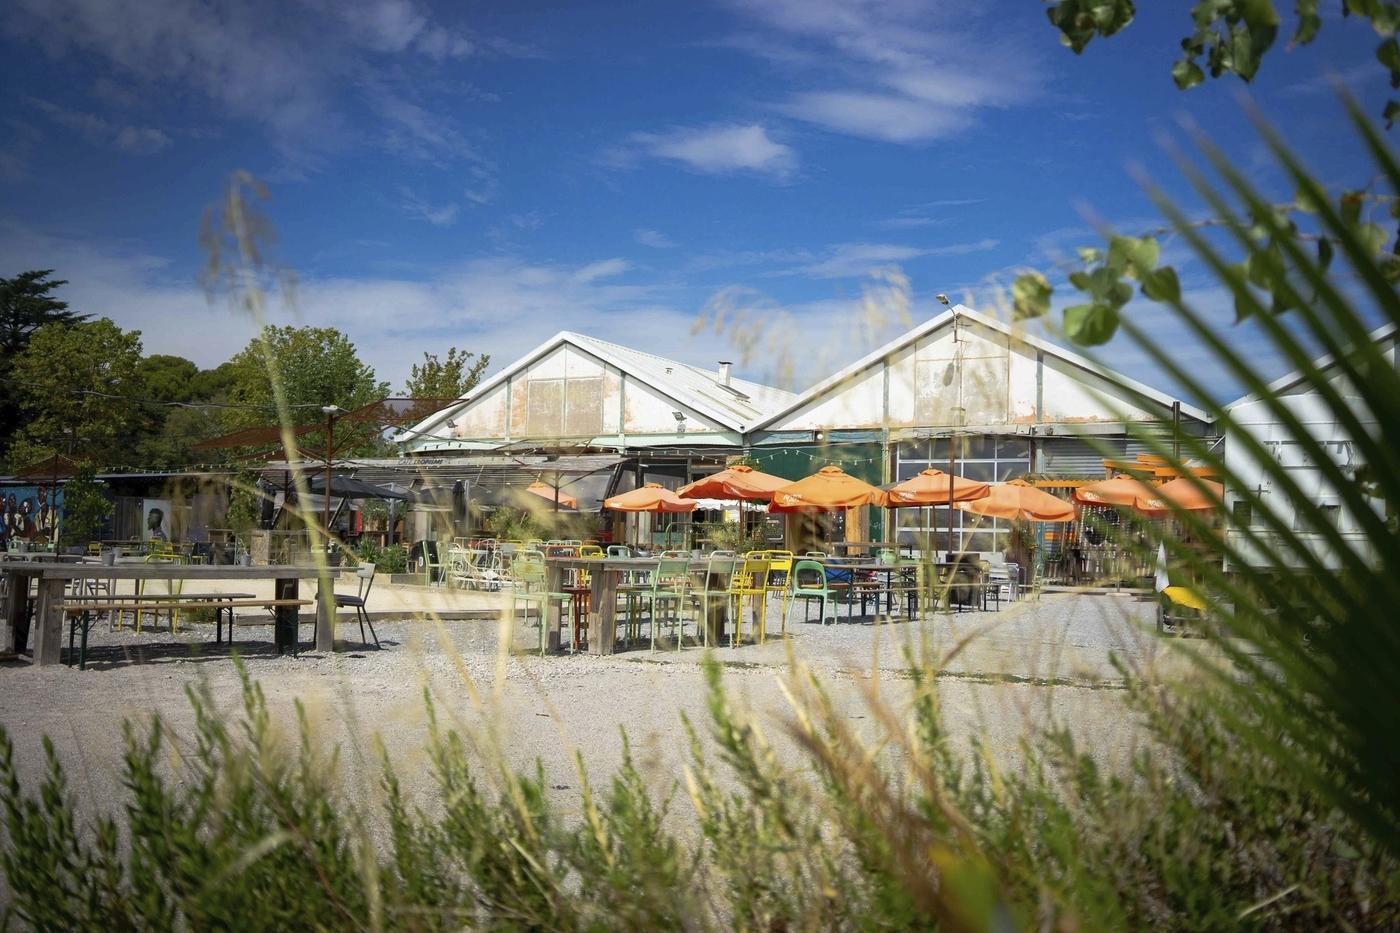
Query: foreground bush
[259, 833]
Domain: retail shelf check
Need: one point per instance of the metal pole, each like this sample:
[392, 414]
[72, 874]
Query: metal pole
[952, 467]
[326, 501]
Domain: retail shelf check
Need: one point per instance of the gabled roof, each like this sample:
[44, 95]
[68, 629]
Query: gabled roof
[736, 407]
[947, 317]
[1283, 383]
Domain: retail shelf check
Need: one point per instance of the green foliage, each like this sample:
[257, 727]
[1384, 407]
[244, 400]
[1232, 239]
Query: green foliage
[85, 506]
[729, 536]
[314, 366]
[446, 378]
[252, 828]
[75, 384]
[27, 303]
[507, 523]
[1230, 36]
[244, 505]
[390, 559]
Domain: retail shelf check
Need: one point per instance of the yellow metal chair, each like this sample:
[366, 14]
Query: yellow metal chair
[749, 581]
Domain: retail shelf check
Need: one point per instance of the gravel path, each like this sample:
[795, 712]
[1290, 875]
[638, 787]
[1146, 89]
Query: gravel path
[1016, 670]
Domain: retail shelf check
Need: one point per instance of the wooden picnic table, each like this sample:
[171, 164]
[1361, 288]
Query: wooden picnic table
[604, 583]
[53, 577]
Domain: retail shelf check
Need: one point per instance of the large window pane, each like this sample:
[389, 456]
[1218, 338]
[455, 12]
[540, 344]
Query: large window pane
[913, 449]
[1013, 448]
[979, 447]
[910, 468]
[984, 471]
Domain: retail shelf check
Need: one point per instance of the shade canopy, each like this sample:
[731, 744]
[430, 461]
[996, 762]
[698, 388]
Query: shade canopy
[829, 488]
[1183, 494]
[932, 487]
[349, 488]
[1020, 501]
[546, 491]
[1122, 491]
[740, 482]
[653, 497]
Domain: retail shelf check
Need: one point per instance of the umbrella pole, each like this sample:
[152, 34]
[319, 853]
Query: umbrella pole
[952, 467]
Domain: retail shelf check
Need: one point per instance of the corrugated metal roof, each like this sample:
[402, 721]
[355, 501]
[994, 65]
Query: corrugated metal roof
[736, 407]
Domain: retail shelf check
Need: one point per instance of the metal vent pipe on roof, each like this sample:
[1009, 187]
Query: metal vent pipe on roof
[724, 372]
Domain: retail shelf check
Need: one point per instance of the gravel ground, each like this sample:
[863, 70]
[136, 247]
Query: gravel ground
[1014, 670]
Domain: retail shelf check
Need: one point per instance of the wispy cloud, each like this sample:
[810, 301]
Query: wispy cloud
[302, 72]
[906, 72]
[439, 215]
[654, 238]
[850, 260]
[721, 149]
[133, 140]
[917, 215]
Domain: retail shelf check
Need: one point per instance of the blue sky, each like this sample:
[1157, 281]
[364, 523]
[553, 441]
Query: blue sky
[484, 175]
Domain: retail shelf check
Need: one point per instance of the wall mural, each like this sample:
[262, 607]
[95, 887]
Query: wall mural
[29, 513]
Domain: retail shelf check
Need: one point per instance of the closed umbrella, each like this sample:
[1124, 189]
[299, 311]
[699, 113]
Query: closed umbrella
[653, 497]
[736, 483]
[1018, 500]
[829, 488]
[934, 487]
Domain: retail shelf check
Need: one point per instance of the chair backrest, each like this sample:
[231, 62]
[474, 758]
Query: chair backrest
[720, 564]
[808, 575]
[561, 550]
[751, 575]
[591, 552]
[816, 555]
[727, 554]
[365, 573]
[779, 568]
[887, 556]
[670, 575]
[619, 550]
[528, 570]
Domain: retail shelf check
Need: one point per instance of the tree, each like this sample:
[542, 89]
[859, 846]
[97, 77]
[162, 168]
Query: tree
[1231, 36]
[315, 366]
[85, 506]
[26, 304]
[167, 378]
[76, 383]
[449, 378]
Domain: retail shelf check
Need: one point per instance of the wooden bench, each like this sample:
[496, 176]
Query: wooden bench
[170, 602]
[81, 615]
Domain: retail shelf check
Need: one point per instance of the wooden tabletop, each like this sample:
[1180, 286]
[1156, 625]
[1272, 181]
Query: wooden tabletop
[165, 571]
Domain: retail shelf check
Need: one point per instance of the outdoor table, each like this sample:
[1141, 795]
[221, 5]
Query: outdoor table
[604, 577]
[52, 577]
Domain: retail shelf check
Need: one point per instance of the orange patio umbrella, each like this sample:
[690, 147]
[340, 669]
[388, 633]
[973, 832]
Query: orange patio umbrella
[653, 497]
[547, 491]
[1183, 494]
[1018, 500]
[931, 487]
[1121, 491]
[738, 482]
[829, 488]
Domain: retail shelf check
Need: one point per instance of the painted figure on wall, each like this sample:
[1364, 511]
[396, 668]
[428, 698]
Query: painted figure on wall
[29, 513]
[155, 525]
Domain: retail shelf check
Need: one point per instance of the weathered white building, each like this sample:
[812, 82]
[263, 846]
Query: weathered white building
[968, 389]
[1301, 398]
[574, 391]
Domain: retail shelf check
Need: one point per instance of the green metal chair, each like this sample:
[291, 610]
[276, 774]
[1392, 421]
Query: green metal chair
[719, 569]
[529, 575]
[670, 586]
[809, 583]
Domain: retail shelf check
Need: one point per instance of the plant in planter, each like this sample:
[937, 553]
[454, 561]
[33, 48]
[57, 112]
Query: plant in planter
[85, 506]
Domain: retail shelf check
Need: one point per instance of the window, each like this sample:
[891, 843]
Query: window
[987, 458]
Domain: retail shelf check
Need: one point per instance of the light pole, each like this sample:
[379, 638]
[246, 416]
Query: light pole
[330, 411]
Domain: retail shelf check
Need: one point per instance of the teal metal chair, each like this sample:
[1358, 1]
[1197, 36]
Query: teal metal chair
[670, 588]
[529, 576]
[809, 583]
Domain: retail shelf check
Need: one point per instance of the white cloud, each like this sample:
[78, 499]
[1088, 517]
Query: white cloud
[296, 70]
[134, 140]
[603, 269]
[439, 215]
[721, 149]
[654, 238]
[906, 72]
[851, 260]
